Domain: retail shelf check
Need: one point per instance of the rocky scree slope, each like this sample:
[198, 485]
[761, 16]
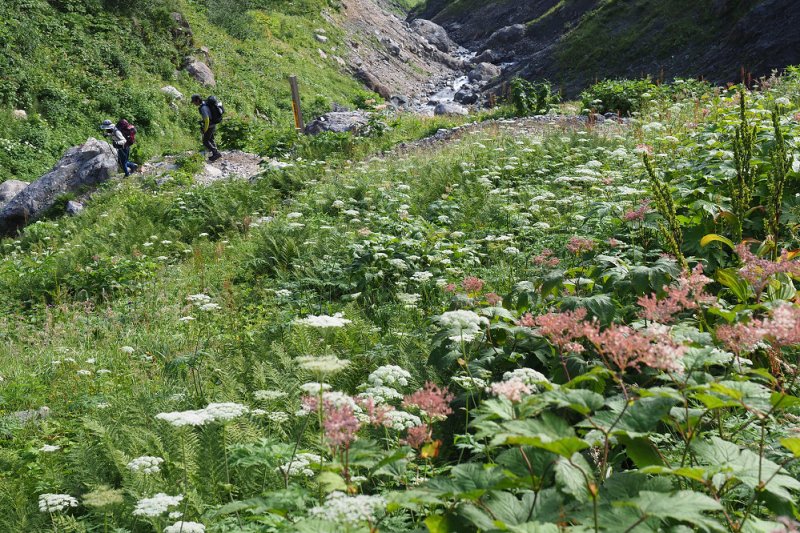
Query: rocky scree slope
[575, 42]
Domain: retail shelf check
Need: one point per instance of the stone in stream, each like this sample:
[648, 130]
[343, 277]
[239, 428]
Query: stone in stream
[448, 108]
[484, 72]
[434, 34]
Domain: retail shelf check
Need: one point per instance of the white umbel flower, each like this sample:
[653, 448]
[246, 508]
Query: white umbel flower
[528, 376]
[146, 464]
[186, 418]
[323, 321]
[301, 465]
[268, 395]
[389, 376]
[157, 505]
[223, 412]
[401, 420]
[185, 527]
[49, 448]
[323, 365]
[349, 510]
[55, 503]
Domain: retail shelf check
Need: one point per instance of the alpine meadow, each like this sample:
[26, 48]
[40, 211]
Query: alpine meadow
[526, 267]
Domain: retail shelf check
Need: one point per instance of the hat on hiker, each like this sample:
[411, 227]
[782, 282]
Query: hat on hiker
[196, 98]
[107, 125]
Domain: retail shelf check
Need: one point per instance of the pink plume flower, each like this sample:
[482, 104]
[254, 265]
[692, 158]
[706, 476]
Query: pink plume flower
[759, 271]
[513, 389]
[472, 285]
[578, 245]
[637, 214]
[493, 299]
[688, 293]
[434, 401]
[417, 436]
[340, 424]
[563, 328]
[546, 258]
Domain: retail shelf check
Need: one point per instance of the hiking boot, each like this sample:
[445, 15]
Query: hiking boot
[215, 157]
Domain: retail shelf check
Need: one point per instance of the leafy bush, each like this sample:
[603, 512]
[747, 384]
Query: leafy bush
[617, 96]
[532, 98]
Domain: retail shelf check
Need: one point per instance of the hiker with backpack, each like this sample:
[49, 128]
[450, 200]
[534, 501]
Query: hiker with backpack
[211, 111]
[123, 135]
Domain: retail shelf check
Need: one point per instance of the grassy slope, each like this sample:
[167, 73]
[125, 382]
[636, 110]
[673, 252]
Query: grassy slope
[110, 64]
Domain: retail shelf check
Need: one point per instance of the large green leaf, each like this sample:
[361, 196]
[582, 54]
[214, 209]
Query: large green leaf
[581, 400]
[572, 476]
[747, 467]
[548, 432]
[684, 506]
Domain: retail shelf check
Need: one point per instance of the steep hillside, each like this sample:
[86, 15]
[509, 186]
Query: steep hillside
[574, 42]
[69, 64]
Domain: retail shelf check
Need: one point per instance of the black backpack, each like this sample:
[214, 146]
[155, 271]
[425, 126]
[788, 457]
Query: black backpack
[216, 109]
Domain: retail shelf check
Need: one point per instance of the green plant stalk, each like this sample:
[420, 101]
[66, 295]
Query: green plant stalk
[670, 228]
[742, 185]
[781, 166]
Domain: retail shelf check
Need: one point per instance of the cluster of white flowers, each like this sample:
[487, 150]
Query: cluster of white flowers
[211, 306]
[157, 505]
[279, 417]
[528, 376]
[301, 465]
[185, 527]
[214, 412]
[283, 293]
[401, 420]
[399, 264]
[322, 365]
[198, 298]
[335, 398]
[381, 394]
[421, 276]
[268, 395]
[313, 388]
[323, 321]
[48, 448]
[469, 383]
[349, 510]
[55, 503]
[389, 376]
[410, 300]
[463, 325]
[146, 464]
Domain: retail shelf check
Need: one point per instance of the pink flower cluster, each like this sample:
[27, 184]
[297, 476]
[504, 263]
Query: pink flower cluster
[513, 389]
[472, 285]
[759, 271]
[620, 346]
[340, 424]
[782, 328]
[578, 245]
[417, 436]
[431, 399]
[493, 298]
[546, 258]
[637, 214]
[688, 293]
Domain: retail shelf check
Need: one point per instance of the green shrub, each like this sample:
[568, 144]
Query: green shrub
[532, 98]
[617, 96]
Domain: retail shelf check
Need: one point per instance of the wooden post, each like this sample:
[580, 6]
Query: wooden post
[298, 112]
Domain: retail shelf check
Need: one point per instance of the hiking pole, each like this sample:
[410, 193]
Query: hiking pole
[298, 113]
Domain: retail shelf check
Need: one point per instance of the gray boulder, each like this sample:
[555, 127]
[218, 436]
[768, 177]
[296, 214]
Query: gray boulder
[447, 108]
[506, 36]
[201, 72]
[73, 207]
[338, 122]
[467, 96]
[81, 167]
[172, 92]
[20, 114]
[484, 72]
[399, 101]
[9, 189]
[434, 34]
[487, 56]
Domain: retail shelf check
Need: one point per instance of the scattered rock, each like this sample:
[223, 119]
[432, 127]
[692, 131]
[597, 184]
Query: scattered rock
[338, 122]
[373, 83]
[322, 54]
[447, 108]
[340, 61]
[73, 207]
[201, 72]
[321, 38]
[181, 30]
[392, 46]
[20, 114]
[81, 167]
[467, 96]
[507, 35]
[399, 101]
[487, 56]
[9, 189]
[31, 414]
[484, 72]
[172, 92]
[434, 34]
